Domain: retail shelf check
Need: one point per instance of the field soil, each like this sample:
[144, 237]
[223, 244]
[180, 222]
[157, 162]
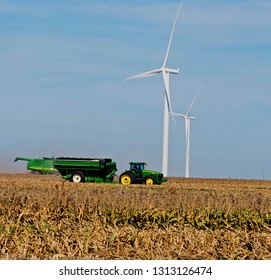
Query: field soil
[45, 217]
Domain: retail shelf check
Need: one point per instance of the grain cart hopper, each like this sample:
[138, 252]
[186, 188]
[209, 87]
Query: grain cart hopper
[39, 165]
[86, 169]
[137, 174]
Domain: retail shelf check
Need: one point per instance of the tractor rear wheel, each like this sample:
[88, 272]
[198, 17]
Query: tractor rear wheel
[127, 178]
[150, 180]
[77, 177]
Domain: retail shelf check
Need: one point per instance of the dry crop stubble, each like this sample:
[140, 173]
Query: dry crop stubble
[43, 217]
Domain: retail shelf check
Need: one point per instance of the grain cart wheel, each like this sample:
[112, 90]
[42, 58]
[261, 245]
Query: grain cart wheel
[127, 178]
[77, 177]
[150, 180]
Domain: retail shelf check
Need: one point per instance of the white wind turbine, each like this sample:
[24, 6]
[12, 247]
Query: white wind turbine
[167, 107]
[187, 118]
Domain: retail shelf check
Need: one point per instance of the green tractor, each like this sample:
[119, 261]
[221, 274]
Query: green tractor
[137, 174]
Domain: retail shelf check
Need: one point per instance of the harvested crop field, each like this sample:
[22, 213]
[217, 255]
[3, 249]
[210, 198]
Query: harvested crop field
[43, 217]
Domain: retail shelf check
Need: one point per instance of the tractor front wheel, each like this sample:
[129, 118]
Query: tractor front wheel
[127, 178]
[150, 180]
[77, 177]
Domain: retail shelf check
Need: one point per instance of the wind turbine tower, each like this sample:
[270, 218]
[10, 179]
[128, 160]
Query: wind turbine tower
[167, 107]
[187, 119]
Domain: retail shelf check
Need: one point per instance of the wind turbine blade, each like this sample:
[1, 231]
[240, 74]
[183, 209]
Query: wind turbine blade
[145, 74]
[167, 93]
[173, 120]
[200, 88]
[171, 36]
[166, 83]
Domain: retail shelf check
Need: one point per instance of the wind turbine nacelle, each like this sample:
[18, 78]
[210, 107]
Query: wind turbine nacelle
[172, 71]
[178, 115]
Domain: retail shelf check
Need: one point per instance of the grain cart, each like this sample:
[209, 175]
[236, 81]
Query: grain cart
[86, 169]
[137, 174]
[39, 165]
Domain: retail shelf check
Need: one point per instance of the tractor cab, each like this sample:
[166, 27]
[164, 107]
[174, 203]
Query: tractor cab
[137, 167]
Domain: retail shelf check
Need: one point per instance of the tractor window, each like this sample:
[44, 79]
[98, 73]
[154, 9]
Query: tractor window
[142, 166]
[137, 166]
[133, 166]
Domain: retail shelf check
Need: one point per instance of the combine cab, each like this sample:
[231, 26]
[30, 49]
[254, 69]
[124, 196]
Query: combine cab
[39, 165]
[137, 174]
[86, 169]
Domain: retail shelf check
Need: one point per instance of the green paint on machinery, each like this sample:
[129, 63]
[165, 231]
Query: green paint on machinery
[39, 165]
[103, 170]
[86, 169]
[137, 174]
[96, 170]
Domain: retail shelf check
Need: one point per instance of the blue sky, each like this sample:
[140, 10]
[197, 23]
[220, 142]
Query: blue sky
[62, 91]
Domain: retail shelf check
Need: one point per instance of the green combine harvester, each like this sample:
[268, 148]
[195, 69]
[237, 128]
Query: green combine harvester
[39, 165]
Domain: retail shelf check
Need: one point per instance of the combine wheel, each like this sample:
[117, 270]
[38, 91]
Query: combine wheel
[150, 180]
[77, 177]
[127, 178]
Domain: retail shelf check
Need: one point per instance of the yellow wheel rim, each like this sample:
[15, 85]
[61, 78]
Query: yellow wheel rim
[149, 181]
[126, 179]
